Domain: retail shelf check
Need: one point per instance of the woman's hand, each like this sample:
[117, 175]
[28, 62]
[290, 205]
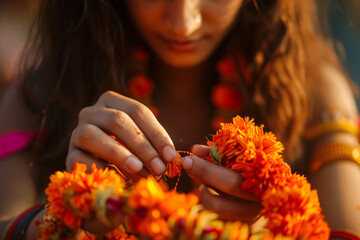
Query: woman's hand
[221, 188]
[145, 145]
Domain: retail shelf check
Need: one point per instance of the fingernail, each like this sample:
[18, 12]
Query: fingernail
[186, 163]
[133, 164]
[169, 153]
[157, 166]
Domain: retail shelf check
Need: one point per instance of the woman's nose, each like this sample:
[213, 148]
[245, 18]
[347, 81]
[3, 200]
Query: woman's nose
[183, 17]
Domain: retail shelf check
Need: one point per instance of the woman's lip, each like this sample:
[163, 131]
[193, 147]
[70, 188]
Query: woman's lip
[182, 46]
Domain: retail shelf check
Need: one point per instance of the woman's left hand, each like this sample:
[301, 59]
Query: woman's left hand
[220, 189]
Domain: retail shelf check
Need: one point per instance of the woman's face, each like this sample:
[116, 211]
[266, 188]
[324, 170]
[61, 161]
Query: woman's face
[183, 33]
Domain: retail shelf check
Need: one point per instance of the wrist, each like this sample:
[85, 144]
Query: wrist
[18, 228]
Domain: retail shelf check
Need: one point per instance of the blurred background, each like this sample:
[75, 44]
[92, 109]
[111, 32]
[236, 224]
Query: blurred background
[15, 20]
[344, 23]
[16, 17]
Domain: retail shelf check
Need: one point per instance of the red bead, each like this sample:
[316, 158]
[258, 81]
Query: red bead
[226, 67]
[224, 96]
[141, 86]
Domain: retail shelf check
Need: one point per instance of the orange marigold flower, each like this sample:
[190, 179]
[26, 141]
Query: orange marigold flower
[176, 205]
[263, 173]
[57, 190]
[235, 231]
[119, 234]
[55, 227]
[86, 236]
[147, 218]
[116, 234]
[173, 168]
[69, 194]
[153, 207]
[238, 141]
[147, 193]
[245, 147]
[293, 209]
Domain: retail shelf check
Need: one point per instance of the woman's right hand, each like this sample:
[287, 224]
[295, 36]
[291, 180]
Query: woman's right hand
[145, 148]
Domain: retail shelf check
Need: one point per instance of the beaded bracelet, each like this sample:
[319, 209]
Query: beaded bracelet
[18, 227]
[344, 234]
[331, 152]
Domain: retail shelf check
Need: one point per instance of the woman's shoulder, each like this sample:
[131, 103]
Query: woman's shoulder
[331, 95]
[14, 113]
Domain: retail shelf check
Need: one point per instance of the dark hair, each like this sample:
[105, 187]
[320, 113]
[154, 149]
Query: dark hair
[76, 54]
[79, 52]
[282, 36]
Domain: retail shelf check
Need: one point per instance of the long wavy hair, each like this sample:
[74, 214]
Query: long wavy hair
[78, 52]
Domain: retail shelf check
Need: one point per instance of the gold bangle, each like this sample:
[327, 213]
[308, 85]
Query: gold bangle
[332, 152]
[322, 128]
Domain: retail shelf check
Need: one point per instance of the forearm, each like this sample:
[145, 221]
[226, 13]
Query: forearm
[338, 187]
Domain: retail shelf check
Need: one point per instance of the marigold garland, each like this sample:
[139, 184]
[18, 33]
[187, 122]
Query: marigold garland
[149, 210]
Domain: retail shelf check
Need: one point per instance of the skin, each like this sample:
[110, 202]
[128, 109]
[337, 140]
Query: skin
[205, 22]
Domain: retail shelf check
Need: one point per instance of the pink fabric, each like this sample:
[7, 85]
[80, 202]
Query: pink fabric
[14, 141]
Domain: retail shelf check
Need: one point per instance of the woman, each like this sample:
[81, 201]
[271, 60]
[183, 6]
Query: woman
[103, 69]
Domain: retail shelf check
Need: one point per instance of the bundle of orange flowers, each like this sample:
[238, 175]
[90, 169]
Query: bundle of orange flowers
[290, 206]
[148, 210]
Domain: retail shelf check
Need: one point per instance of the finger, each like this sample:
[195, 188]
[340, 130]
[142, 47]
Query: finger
[200, 150]
[143, 117]
[228, 207]
[77, 155]
[92, 139]
[120, 124]
[222, 178]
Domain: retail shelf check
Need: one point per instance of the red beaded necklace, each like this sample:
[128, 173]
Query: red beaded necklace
[225, 95]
